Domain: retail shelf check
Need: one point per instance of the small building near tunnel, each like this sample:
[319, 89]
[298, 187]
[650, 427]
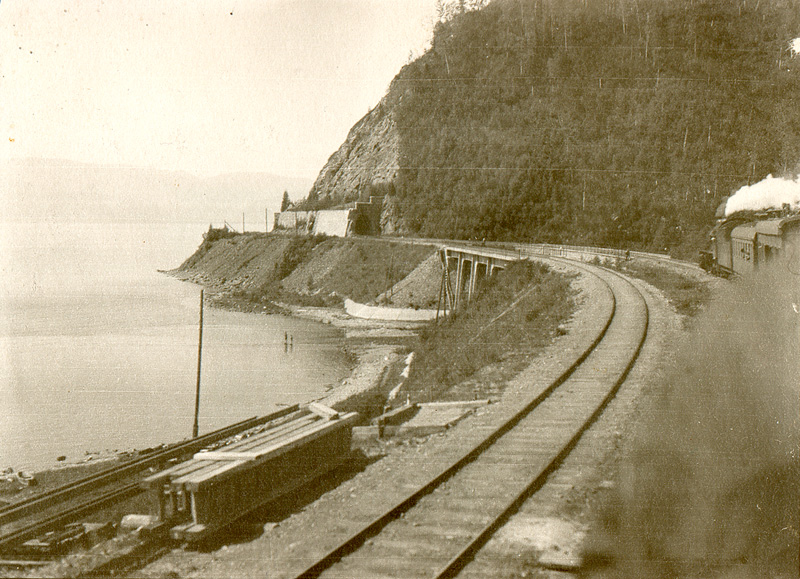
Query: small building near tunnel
[361, 218]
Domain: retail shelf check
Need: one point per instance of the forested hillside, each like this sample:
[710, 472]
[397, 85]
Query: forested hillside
[610, 122]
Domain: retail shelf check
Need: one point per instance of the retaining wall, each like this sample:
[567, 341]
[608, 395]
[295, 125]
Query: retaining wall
[332, 222]
[388, 314]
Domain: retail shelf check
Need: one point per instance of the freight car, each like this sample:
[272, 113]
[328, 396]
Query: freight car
[742, 246]
[196, 498]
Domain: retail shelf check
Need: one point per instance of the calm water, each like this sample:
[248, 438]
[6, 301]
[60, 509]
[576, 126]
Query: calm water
[98, 351]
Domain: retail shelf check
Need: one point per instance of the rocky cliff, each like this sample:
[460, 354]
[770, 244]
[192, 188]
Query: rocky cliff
[369, 156]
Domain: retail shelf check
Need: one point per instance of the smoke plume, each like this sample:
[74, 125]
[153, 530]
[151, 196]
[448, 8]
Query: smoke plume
[709, 485]
[771, 193]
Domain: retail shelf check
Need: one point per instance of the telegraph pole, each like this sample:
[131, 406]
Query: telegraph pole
[199, 358]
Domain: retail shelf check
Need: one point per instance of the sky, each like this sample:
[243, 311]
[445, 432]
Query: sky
[204, 86]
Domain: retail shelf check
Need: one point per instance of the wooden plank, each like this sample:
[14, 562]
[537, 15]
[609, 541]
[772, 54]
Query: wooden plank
[165, 476]
[323, 411]
[211, 469]
[19, 563]
[186, 466]
[231, 454]
[270, 434]
[180, 469]
[275, 449]
[197, 468]
[277, 429]
[325, 428]
[228, 454]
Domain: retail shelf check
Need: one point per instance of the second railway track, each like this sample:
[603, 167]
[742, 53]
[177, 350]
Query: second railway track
[435, 529]
[72, 501]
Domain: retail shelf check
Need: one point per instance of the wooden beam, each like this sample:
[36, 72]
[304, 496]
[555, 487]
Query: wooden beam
[323, 411]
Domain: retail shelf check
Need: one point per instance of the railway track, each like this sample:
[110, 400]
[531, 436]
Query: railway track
[438, 526]
[73, 501]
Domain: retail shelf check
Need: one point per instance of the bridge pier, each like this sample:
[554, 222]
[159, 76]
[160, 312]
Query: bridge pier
[472, 265]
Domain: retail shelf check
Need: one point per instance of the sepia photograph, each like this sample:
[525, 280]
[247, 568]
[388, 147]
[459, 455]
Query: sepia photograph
[396, 289]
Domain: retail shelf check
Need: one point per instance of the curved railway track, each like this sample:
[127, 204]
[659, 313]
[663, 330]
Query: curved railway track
[438, 527]
[72, 501]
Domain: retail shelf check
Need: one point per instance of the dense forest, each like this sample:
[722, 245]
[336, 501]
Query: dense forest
[610, 122]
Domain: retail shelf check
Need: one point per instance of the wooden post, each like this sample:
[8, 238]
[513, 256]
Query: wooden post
[391, 276]
[196, 427]
[441, 291]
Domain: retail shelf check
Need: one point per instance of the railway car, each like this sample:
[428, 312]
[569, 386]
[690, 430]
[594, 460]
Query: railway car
[741, 246]
[196, 498]
[721, 255]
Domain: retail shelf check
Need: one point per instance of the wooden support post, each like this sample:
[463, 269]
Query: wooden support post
[459, 280]
[448, 288]
[473, 273]
[441, 291]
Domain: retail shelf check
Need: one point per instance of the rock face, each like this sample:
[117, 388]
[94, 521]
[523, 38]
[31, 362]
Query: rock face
[368, 156]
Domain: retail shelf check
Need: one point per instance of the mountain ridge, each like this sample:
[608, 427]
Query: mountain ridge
[607, 123]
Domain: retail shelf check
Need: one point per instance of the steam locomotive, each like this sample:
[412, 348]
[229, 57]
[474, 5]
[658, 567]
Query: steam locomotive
[746, 242]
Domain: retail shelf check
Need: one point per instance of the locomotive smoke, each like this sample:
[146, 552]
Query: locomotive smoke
[709, 485]
[771, 193]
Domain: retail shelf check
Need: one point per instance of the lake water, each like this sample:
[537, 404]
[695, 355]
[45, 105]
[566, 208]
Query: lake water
[98, 351]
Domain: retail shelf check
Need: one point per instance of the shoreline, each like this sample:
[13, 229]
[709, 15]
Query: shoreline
[376, 346]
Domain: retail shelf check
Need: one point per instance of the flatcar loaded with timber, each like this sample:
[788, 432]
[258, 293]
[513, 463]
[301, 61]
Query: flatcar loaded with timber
[198, 497]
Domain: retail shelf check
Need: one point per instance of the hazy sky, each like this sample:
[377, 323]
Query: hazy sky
[204, 86]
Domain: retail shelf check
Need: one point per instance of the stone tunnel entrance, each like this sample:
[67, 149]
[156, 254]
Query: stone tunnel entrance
[361, 225]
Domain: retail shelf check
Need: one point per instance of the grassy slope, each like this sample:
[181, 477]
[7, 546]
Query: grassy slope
[259, 268]
[360, 269]
[688, 295]
[459, 348]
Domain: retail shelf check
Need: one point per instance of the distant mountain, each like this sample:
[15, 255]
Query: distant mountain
[59, 190]
[603, 122]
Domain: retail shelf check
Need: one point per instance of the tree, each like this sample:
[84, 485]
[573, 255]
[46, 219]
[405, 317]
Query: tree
[286, 203]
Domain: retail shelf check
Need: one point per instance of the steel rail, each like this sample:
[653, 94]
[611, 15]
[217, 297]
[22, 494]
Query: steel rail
[69, 515]
[459, 561]
[354, 541]
[68, 491]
